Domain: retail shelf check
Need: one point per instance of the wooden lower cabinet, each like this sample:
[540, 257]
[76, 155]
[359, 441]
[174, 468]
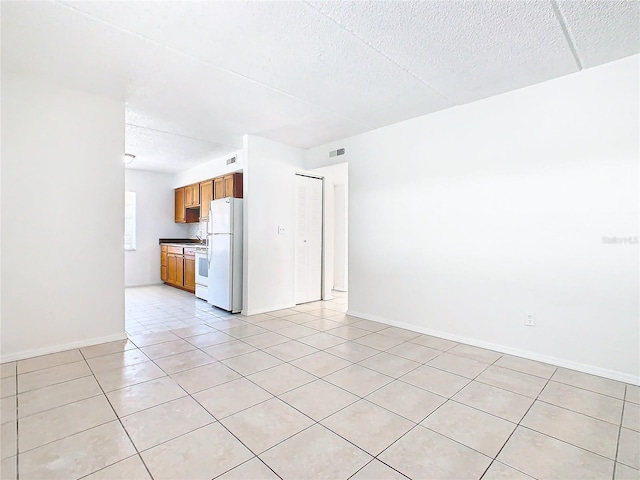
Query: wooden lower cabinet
[178, 269]
[163, 263]
[175, 269]
[190, 273]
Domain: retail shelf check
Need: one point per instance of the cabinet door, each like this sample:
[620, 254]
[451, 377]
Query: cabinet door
[190, 273]
[180, 216]
[163, 273]
[180, 271]
[218, 188]
[195, 194]
[172, 269]
[206, 195]
[228, 185]
[237, 185]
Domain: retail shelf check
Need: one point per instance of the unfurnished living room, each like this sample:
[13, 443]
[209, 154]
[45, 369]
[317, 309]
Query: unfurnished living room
[363, 240]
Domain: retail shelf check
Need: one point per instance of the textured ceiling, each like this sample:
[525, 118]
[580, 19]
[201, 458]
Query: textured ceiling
[196, 76]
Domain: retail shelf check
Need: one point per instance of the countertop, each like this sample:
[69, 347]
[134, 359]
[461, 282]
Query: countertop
[178, 242]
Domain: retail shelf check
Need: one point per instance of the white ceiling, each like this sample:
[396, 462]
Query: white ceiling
[196, 76]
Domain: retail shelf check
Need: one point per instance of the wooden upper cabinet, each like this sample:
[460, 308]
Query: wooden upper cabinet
[206, 195]
[228, 186]
[192, 195]
[180, 214]
[189, 198]
[218, 188]
[233, 185]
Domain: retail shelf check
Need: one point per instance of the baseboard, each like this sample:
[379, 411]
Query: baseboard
[258, 311]
[12, 357]
[559, 362]
[143, 284]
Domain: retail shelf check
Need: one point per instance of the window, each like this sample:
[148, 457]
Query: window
[129, 220]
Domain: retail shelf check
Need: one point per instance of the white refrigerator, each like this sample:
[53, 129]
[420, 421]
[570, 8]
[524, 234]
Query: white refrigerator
[224, 249]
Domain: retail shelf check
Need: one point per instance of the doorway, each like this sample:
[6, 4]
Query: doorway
[308, 239]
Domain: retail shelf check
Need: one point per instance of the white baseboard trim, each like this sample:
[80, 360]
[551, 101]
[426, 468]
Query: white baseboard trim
[12, 357]
[559, 362]
[258, 311]
[134, 285]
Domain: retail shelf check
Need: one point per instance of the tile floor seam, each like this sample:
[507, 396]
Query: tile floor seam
[51, 385]
[546, 402]
[255, 457]
[456, 441]
[511, 434]
[103, 468]
[593, 391]
[541, 433]
[615, 462]
[49, 366]
[69, 435]
[121, 425]
[17, 428]
[374, 459]
[58, 406]
[313, 420]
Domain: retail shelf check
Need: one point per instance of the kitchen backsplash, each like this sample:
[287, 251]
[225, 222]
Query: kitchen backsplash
[198, 229]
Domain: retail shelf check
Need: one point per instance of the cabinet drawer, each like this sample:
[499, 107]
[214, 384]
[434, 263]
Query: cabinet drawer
[163, 248]
[189, 251]
[175, 250]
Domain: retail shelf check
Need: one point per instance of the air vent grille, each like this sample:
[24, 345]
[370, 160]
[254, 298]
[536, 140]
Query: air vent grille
[336, 153]
[231, 160]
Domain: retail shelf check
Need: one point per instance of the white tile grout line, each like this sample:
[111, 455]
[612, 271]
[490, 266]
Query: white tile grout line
[615, 463]
[121, 424]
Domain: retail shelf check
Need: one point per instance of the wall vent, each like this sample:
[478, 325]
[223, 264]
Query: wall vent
[336, 153]
[231, 160]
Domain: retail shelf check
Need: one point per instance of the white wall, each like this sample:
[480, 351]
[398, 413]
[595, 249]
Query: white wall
[463, 220]
[210, 169]
[270, 201]
[155, 203]
[341, 238]
[62, 218]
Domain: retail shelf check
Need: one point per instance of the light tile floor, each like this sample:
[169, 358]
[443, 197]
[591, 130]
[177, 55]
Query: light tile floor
[307, 392]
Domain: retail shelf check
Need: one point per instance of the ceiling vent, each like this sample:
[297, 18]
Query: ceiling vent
[336, 153]
[231, 160]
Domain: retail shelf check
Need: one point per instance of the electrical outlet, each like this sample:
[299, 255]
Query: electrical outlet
[529, 319]
[280, 230]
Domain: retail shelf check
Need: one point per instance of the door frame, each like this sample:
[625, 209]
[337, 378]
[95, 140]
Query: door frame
[322, 246]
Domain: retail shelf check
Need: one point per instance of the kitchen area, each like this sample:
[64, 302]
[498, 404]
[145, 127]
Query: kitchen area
[209, 265]
[189, 236]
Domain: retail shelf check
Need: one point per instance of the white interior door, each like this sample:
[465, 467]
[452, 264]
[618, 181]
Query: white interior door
[308, 239]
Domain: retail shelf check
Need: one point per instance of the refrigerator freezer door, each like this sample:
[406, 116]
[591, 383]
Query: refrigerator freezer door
[220, 271]
[221, 215]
